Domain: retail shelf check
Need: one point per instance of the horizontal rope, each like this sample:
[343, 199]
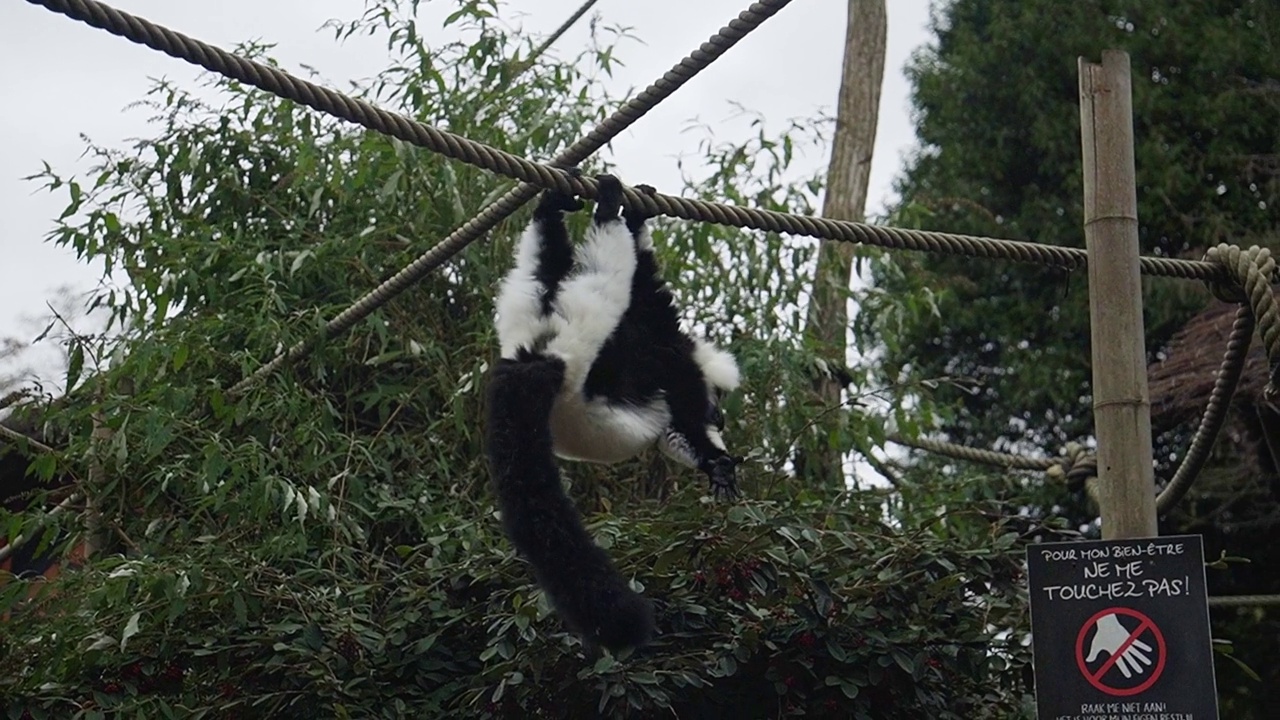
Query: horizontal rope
[986, 457]
[508, 204]
[459, 148]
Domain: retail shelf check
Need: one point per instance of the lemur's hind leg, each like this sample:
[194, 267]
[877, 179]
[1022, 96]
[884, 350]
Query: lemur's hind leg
[692, 437]
[592, 302]
[544, 257]
[637, 221]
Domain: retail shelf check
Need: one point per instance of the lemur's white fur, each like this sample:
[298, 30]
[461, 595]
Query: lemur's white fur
[593, 299]
[718, 367]
[520, 322]
[590, 305]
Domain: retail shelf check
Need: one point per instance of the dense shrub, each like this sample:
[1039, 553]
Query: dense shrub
[325, 544]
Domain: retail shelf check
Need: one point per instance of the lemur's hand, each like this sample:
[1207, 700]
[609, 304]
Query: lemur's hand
[554, 201]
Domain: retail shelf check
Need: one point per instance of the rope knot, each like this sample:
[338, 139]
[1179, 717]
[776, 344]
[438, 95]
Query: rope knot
[1252, 270]
[1230, 290]
[1075, 466]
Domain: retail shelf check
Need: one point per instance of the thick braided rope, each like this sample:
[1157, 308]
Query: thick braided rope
[1077, 466]
[1215, 412]
[1253, 270]
[986, 457]
[357, 111]
[508, 204]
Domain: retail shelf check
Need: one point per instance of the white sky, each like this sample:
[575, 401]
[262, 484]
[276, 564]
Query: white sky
[60, 79]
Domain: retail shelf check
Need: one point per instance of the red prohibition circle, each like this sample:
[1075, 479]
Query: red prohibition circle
[1144, 623]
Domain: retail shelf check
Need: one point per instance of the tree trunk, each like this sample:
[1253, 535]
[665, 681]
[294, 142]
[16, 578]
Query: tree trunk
[848, 175]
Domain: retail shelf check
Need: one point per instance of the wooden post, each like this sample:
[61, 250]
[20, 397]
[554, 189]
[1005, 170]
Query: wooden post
[1121, 403]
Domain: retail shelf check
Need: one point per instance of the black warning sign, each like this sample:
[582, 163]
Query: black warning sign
[1120, 630]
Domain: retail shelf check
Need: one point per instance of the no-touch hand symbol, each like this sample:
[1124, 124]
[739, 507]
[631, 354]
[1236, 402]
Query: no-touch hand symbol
[1115, 648]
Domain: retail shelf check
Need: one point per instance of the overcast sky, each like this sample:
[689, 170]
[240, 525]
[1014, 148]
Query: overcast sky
[60, 79]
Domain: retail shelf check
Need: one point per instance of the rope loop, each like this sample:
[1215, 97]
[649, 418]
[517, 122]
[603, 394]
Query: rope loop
[1252, 271]
[1228, 289]
[1074, 468]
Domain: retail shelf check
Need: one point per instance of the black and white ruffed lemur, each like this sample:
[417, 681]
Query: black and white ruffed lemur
[594, 366]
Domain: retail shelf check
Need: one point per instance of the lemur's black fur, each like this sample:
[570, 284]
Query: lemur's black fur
[581, 582]
[648, 354]
[646, 357]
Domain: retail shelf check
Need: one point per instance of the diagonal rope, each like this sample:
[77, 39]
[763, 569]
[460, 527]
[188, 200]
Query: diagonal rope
[102, 16]
[1253, 268]
[508, 204]
[556, 35]
[459, 148]
[538, 175]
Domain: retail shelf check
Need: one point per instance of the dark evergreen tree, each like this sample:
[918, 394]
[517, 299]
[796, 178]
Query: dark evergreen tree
[998, 123]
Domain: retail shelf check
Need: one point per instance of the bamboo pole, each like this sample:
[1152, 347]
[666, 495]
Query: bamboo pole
[1121, 402]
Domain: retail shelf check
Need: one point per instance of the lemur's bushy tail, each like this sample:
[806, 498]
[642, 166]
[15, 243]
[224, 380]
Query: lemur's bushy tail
[586, 589]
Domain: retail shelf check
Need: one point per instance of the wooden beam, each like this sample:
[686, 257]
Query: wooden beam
[1121, 402]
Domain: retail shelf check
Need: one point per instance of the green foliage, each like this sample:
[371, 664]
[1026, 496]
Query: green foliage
[766, 611]
[996, 96]
[325, 545]
[998, 122]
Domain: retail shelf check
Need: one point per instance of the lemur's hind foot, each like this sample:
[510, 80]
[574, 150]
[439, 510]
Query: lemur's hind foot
[723, 476]
[554, 201]
[635, 216]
